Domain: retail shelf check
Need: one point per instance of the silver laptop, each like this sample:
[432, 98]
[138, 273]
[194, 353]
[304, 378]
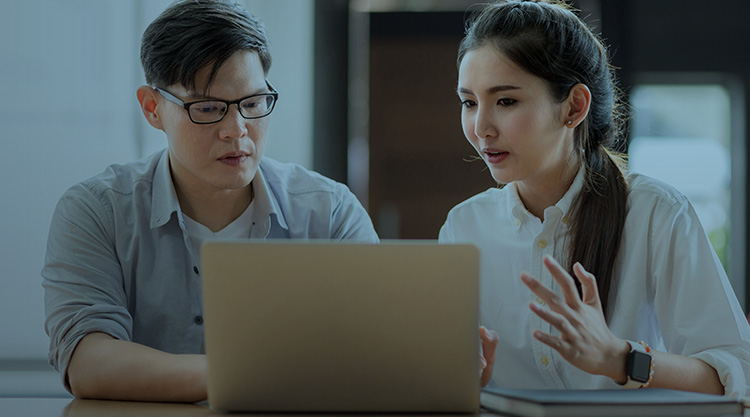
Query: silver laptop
[319, 326]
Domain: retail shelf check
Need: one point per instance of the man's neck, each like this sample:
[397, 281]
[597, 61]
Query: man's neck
[215, 210]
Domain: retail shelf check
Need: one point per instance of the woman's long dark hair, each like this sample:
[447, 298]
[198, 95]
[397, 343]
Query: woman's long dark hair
[548, 40]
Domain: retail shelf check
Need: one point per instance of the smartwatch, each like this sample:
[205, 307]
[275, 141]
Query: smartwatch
[639, 366]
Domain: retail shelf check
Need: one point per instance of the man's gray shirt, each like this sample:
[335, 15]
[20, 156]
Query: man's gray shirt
[119, 259]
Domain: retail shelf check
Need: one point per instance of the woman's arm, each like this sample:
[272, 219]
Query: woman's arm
[586, 342]
[683, 373]
[103, 367]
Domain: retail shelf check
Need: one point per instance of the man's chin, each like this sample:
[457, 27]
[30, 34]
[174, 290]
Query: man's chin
[236, 183]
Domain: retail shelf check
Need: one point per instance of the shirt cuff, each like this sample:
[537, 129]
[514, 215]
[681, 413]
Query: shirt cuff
[732, 368]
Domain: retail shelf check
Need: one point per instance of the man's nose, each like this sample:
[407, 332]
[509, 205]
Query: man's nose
[233, 125]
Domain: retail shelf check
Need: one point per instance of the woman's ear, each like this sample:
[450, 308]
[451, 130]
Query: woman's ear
[147, 97]
[576, 106]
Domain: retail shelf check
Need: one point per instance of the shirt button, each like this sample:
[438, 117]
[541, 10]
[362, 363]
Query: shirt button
[516, 222]
[545, 361]
[542, 243]
[198, 320]
[195, 269]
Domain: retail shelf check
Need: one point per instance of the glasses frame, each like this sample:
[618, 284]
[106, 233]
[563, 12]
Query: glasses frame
[176, 100]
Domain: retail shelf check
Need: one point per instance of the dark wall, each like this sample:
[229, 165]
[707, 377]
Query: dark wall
[331, 83]
[418, 153]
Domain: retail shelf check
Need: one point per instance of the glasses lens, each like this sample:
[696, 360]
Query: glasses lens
[207, 111]
[257, 106]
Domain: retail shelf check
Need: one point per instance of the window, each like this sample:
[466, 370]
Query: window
[682, 134]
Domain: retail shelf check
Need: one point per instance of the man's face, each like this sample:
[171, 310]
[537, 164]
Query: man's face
[222, 156]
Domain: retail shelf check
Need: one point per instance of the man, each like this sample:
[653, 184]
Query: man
[122, 271]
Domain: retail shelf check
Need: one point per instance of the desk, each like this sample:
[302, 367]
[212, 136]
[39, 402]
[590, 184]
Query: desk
[66, 407]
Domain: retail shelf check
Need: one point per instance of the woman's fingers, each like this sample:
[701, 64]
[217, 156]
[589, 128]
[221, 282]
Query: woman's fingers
[588, 285]
[563, 279]
[489, 341]
[558, 321]
[540, 290]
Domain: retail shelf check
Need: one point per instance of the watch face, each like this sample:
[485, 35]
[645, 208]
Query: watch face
[639, 366]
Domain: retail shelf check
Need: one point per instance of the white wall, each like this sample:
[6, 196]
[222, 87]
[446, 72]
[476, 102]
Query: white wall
[68, 109]
[289, 26]
[65, 114]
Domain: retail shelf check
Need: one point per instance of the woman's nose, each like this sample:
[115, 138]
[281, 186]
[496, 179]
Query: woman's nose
[484, 123]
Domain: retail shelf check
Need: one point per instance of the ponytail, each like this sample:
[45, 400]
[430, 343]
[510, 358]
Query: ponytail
[599, 218]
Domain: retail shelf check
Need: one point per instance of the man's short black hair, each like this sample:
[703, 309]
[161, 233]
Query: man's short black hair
[191, 34]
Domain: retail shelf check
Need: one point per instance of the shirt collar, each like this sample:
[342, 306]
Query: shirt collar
[521, 214]
[566, 201]
[516, 207]
[265, 204]
[164, 200]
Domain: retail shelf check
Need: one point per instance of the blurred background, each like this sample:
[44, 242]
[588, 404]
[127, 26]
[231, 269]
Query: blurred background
[367, 98]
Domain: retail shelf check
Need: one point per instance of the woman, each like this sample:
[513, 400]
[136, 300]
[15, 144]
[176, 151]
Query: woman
[650, 305]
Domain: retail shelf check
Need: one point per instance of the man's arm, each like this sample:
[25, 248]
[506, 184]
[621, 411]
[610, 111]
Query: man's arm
[103, 367]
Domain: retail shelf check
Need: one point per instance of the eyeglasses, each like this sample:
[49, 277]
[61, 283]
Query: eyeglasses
[204, 112]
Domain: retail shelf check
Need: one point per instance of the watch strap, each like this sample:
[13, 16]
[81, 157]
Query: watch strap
[643, 349]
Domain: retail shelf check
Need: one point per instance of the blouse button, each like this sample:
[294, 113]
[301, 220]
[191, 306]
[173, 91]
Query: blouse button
[539, 301]
[545, 361]
[566, 220]
[542, 243]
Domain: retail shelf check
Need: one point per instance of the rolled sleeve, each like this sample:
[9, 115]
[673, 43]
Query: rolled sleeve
[697, 310]
[731, 364]
[82, 277]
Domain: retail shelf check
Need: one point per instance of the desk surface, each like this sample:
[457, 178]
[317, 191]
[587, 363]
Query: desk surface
[67, 407]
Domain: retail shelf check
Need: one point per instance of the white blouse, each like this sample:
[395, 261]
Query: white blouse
[670, 288]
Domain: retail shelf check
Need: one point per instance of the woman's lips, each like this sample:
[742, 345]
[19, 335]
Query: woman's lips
[495, 157]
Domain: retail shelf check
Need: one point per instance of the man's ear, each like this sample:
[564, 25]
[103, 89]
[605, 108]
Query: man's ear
[576, 106]
[148, 99]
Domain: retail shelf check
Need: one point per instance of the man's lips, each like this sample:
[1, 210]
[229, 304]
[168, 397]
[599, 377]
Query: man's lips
[234, 155]
[234, 159]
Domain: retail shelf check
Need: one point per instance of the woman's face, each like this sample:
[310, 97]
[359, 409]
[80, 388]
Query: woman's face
[512, 121]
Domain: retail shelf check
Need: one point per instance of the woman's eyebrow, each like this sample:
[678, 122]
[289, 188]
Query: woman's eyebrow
[492, 90]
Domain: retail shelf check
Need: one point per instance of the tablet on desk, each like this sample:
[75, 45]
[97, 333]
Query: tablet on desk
[339, 327]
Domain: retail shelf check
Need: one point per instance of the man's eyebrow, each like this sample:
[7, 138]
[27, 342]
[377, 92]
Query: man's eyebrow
[492, 90]
[200, 96]
[194, 95]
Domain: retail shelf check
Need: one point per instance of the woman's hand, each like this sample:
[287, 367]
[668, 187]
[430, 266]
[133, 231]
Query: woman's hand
[487, 348]
[585, 340]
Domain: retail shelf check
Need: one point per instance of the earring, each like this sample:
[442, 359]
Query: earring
[569, 122]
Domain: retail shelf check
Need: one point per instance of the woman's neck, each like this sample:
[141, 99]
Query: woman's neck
[546, 189]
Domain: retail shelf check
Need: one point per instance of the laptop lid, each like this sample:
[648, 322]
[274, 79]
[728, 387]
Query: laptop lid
[331, 326]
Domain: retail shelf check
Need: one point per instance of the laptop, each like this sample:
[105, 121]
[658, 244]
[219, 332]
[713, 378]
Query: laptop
[322, 326]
